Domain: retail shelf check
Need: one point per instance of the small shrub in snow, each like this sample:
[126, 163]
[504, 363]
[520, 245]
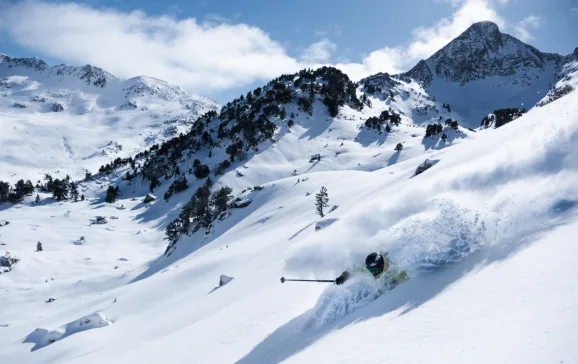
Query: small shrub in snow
[111, 195]
[315, 157]
[7, 262]
[321, 201]
[19, 106]
[39, 247]
[201, 171]
[398, 147]
[56, 107]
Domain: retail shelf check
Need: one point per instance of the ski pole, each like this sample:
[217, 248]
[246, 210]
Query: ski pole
[283, 280]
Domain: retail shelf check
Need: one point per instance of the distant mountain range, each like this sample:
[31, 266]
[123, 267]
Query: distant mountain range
[82, 117]
[50, 107]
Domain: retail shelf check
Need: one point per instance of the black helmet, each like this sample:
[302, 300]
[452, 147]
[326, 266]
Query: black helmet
[375, 263]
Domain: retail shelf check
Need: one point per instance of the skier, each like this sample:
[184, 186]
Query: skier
[377, 264]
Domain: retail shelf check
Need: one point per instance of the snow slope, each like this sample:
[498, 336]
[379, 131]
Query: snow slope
[486, 234]
[69, 119]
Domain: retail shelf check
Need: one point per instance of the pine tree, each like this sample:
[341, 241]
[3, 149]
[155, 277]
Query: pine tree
[321, 201]
[398, 147]
[37, 201]
[4, 191]
[110, 195]
[74, 191]
[82, 197]
[220, 199]
[154, 184]
[60, 189]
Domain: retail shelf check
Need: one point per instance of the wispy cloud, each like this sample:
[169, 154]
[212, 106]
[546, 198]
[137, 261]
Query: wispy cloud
[201, 56]
[523, 27]
[319, 52]
[425, 41]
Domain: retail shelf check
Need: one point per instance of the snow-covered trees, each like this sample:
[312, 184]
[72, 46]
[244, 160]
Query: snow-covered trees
[60, 189]
[321, 201]
[17, 193]
[433, 129]
[73, 191]
[202, 209]
[56, 107]
[376, 123]
[179, 184]
[200, 170]
[4, 191]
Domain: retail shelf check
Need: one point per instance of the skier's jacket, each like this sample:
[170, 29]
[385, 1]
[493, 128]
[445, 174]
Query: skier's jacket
[389, 274]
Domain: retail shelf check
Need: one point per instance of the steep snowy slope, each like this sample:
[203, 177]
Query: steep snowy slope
[483, 70]
[486, 234]
[68, 119]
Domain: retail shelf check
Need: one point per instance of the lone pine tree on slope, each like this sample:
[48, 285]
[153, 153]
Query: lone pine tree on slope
[321, 201]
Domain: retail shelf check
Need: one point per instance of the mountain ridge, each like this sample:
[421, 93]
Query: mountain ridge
[54, 105]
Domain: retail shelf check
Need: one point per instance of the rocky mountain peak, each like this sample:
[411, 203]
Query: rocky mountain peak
[482, 51]
[485, 31]
[31, 63]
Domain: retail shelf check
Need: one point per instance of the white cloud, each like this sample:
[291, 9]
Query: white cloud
[217, 54]
[198, 56]
[383, 60]
[426, 41]
[319, 52]
[522, 28]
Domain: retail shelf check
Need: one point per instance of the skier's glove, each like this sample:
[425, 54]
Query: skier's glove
[339, 280]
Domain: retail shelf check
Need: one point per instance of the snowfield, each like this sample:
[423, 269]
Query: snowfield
[486, 234]
[64, 119]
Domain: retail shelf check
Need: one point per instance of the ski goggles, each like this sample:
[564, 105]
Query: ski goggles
[374, 270]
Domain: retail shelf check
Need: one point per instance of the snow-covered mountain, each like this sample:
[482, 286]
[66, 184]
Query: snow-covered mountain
[478, 72]
[83, 117]
[481, 219]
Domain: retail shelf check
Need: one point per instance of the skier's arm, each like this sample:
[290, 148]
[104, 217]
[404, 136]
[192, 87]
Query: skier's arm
[342, 278]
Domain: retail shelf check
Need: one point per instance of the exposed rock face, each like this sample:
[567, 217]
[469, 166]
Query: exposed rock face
[483, 51]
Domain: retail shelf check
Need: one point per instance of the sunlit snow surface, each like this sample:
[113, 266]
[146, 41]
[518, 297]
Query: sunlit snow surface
[487, 235]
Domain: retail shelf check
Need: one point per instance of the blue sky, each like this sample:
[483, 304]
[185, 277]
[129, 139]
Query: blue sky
[223, 48]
